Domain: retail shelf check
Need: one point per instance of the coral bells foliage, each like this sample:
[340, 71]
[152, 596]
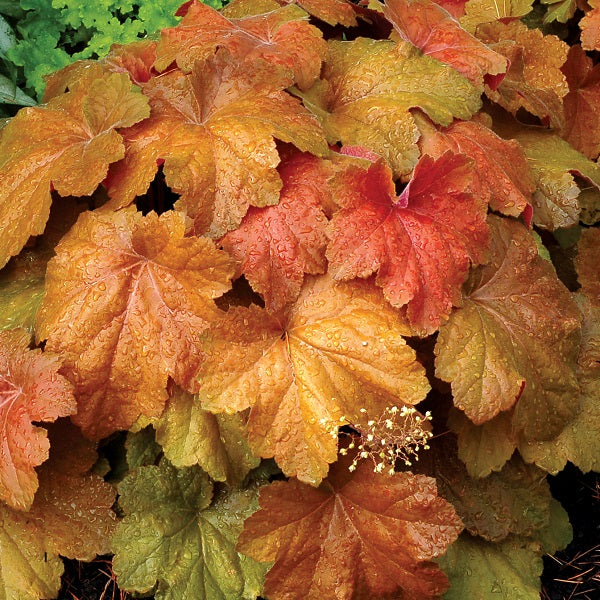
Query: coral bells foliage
[309, 287]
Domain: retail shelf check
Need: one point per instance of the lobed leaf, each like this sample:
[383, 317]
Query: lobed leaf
[431, 28]
[281, 37]
[554, 162]
[513, 501]
[172, 537]
[501, 165]
[214, 129]
[479, 12]
[578, 441]
[70, 143]
[582, 122]
[71, 516]
[276, 246]
[31, 391]
[190, 435]
[590, 28]
[126, 299]
[479, 569]
[514, 342]
[359, 534]
[419, 248]
[534, 80]
[338, 350]
[369, 87]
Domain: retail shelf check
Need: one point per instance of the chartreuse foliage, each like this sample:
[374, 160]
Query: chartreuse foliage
[307, 242]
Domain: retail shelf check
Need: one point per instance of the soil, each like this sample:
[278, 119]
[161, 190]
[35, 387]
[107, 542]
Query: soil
[571, 574]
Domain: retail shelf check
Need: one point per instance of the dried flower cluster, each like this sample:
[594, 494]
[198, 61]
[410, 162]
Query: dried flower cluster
[397, 434]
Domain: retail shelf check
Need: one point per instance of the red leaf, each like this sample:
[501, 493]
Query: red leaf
[31, 390]
[502, 168]
[275, 246]
[361, 535]
[420, 243]
[431, 28]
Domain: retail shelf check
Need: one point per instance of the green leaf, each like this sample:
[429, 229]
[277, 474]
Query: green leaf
[190, 435]
[22, 289]
[172, 538]
[480, 570]
[158, 15]
[558, 533]
[39, 57]
[7, 36]
[11, 94]
[141, 448]
[560, 11]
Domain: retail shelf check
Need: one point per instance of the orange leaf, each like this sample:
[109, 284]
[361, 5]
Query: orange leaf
[136, 59]
[275, 246]
[126, 299]
[214, 128]
[70, 143]
[341, 348]
[534, 80]
[31, 390]
[420, 243]
[73, 507]
[582, 127]
[359, 535]
[590, 29]
[282, 37]
[431, 28]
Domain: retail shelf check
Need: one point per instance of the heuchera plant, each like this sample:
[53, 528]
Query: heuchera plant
[254, 271]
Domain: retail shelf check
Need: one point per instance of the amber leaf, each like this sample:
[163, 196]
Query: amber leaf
[282, 37]
[215, 130]
[534, 80]
[359, 535]
[70, 143]
[341, 348]
[590, 28]
[126, 299]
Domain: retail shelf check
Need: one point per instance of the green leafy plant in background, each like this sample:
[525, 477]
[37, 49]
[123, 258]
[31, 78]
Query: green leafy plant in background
[38, 37]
